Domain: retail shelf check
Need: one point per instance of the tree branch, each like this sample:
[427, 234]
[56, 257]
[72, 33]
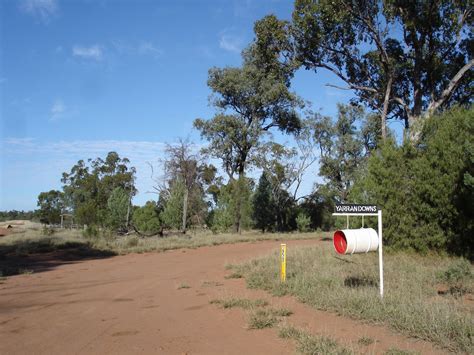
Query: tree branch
[434, 105]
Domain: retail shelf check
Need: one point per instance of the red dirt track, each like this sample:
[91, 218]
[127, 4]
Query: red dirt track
[134, 304]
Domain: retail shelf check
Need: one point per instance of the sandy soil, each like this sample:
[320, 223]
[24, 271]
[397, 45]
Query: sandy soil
[134, 304]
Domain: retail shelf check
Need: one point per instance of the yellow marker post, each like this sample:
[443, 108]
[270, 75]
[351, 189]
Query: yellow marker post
[283, 262]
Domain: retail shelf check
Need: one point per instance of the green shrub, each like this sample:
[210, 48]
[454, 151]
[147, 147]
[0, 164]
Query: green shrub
[426, 190]
[303, 223]
[91, 232]
[146, 219]
[458, 277]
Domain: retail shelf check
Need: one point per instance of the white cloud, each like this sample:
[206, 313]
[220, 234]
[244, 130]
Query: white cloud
[57, 111]
[140, 48]
[146, 47]
[231, 43]
[43, 10]
[92, 52]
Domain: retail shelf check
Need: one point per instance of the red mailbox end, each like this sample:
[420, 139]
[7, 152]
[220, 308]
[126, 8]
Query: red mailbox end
[340, 242]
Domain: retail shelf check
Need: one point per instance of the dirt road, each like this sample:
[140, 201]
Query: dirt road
[137, 304]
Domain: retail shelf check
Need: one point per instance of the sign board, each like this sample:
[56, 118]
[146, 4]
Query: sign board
[356, 209]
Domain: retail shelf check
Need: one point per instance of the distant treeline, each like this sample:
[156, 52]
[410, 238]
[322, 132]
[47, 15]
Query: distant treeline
[14, 214]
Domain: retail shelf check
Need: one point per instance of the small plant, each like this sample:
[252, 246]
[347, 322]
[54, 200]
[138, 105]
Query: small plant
[267, 318]
[132, 242]
[303, 223]
[281, 312]
[91, 232]
[309, 344]
[234, 275]
[396, 351]
[240, 303]
[183, 285]
[212, 284]
[261, 319]
[48, 231]
[458, 277]
[25, 271]
[365, 341]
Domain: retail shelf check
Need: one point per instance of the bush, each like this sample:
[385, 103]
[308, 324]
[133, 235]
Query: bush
[91, 232]
[47, 231]
[303, 223]
[426, 190]
[146, 218]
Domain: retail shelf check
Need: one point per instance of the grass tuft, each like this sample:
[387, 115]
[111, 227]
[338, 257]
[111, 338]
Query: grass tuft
[239, 303]
[310, 344]
[261, 319]
[396, 351]
[234, 275]
[365, 341]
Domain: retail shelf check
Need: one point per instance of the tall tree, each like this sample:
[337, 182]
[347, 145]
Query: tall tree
[118, 207]
[183, 164]
[87, 187]
[263, 207]
[403, 59]
[342, 150]
[51, 205]
[250, 101]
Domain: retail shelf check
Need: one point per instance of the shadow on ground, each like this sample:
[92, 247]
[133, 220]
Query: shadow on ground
[354, 282]
[27, 256]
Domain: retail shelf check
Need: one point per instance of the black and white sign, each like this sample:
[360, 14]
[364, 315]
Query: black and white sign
[351, 208]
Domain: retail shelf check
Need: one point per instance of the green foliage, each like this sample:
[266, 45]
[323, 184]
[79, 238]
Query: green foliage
[14, 214]
[458, 277]
[88, 187]
[342, 150]
[413, 70]
[234, 206]
[173, 211]
[310, 344]
[263, 207]
[146, 218]
[303, 223]
[250, 101]
[423, 190]
[91, 232]
[51, 205]
[118, 206]
[47, 231]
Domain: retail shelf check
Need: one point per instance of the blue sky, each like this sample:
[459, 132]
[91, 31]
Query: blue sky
[81, 78]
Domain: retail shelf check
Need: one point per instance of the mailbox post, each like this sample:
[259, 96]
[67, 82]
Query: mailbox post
[360, 240]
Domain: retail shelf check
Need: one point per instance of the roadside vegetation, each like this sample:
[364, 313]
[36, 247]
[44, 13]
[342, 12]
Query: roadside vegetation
[33, 239]
[428, 297]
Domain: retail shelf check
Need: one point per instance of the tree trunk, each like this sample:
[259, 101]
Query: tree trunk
[385, 108]
[185, 210]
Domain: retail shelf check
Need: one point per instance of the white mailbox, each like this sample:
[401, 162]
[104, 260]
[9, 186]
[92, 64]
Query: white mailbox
[351, 241]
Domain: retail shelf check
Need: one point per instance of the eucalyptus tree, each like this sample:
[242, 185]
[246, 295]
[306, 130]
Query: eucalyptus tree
[89, 185]
[250, 101]
[403, 59]
[186, 177]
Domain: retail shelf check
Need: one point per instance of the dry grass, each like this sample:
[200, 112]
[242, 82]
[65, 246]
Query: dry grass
[310, 344]
[260, 316]
[348, 285]
[31, 237]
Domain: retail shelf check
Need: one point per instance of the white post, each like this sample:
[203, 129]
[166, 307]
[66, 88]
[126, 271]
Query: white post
[379, 218]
